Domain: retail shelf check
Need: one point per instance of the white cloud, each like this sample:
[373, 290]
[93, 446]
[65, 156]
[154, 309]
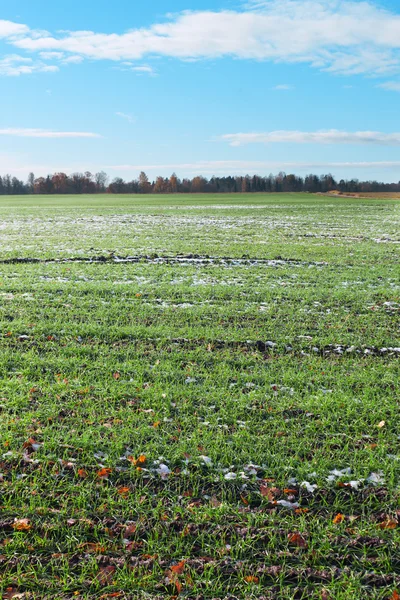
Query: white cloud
[45, 133]
[127, 117]
[284, 87]
[340, 36]
[74, 59]
[9, 29]
[13, 65]
[391, 86]
[51, 55]
[242, 166]
[332, 136]
[144, 69]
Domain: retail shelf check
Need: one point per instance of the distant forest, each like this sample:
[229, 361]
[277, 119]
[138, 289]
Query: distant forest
[88, 183]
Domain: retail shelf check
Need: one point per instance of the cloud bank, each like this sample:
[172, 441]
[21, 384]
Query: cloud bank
[333, 136]
[339, 36]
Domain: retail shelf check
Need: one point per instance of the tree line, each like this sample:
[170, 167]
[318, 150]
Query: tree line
[88, 183]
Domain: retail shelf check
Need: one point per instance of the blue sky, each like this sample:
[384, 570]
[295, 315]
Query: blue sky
[206, 87]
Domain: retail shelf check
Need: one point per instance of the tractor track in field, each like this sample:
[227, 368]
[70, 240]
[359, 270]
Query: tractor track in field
[186, 259]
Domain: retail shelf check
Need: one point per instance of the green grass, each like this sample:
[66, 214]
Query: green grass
[104, 361]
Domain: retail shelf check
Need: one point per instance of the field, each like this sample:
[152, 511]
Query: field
[199, 397]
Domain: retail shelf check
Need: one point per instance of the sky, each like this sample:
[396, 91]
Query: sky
[209, 87]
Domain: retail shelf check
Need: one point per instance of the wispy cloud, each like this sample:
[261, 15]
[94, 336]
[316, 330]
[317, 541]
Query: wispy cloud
[127, 117]
[390, 86]
[46, 133]
[242, 166]
[144, 69]
[339, 36]
[14, 65]
[333, 136]
[283, 87]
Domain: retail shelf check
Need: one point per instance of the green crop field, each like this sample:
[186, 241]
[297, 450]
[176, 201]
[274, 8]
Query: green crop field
[199, 397]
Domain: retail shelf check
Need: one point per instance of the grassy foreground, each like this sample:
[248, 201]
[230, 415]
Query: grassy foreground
[199, 397]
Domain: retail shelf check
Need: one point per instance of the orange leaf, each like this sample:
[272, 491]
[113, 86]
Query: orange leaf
[297, 540]
[22, 525]
[82, 473]
[124, 491]
[251, 579]
[338, 519]
[156, 423]
[388, 524]
[105, 472]
[395, 595]
[178, 568]
[138, 462]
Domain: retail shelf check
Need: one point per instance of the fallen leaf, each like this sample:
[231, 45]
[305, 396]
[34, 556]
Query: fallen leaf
[82, 473]
[395, 595]
[178, 568]
[296, 539]
[268, 492]
[130, 530]
[22, 525]
[138, 462]
[251, 579]
[338, 519]
[381, 424]
[388, 524]
[105, 472]
[106, 574]
[116, 375]
[124, 491]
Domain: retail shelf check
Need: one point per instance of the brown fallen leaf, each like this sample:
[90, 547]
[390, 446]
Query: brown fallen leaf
[269, 492]
[296, 539]
[178, 568]
[395, 595]
[123, 491]
[106, 574]
[388, 524]
[130, 530]
[82, 473]
[22, 525]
